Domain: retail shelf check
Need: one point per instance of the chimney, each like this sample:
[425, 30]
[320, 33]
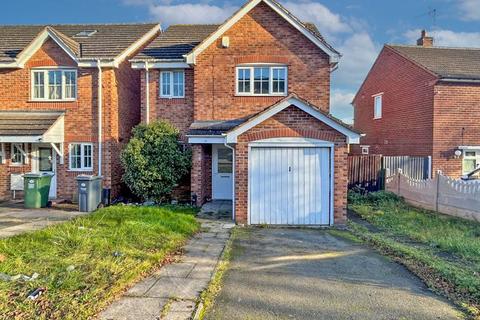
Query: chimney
[424, 40]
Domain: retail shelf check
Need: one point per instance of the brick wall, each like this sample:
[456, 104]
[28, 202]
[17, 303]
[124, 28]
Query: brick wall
[457, 106]
[406, 126]
[291, 122]
[265, 37]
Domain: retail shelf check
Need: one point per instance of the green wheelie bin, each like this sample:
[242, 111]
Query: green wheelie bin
[36, 189]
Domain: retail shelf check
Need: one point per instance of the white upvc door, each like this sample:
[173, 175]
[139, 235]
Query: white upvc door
[44, 160]
[222, 172]
[289, 185]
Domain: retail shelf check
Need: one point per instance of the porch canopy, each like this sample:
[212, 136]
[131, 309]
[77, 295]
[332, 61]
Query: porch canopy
[31, 127]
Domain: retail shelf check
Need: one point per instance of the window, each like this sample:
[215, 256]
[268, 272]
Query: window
[81, 156]
[377, 106]
[261, 80]
[172, 84]
[54, 84]
[471, 160]
[18, 153]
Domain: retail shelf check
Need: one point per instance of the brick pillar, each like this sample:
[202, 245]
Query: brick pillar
[197, 173]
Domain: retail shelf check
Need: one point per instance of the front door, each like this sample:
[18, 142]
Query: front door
[46, 162]
[222, 172]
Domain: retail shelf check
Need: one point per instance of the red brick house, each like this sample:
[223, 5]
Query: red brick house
[422, 101]
[251, 96]
[68, 101]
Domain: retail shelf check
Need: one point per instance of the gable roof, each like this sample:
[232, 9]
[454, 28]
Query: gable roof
[109, 42]
[311, 34]
[176, 41]
[446, 63]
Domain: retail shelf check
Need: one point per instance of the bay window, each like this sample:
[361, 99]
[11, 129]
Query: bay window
[261, 80]
[54, 84]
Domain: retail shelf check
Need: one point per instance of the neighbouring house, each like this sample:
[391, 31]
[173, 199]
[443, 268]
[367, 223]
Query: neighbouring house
[68, 101]
[251, 96]
[422, 101]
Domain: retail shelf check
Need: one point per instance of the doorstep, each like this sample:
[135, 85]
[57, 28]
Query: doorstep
[173, 291]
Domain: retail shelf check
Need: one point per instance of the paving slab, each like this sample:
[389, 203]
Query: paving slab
[310, 274]
[172, 292]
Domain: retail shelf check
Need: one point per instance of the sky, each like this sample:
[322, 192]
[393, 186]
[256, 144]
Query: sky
[356, 28]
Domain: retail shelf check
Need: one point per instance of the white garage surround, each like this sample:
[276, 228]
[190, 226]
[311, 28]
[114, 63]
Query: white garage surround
[290, 182]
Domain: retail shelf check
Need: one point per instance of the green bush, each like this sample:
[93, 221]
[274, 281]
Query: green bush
[154, 161]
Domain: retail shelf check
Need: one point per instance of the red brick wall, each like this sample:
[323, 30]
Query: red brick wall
[291, 122]
[81, 116]
[260, 36]
[457, 106]
[201, 173]
[406, 126]
[178, 111]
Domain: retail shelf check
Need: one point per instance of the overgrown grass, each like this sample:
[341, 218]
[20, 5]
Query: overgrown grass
[442, 250]
[108, 250]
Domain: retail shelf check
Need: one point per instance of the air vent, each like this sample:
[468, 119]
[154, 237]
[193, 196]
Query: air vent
[85, 34]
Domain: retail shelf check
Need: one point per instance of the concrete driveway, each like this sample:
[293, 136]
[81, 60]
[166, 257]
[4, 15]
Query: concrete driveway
[14, 219]
[310, 274]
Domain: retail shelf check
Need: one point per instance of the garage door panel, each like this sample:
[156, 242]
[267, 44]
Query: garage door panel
[289, 185]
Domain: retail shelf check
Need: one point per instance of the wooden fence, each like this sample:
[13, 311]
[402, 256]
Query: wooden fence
[369, 171]
[443, 194]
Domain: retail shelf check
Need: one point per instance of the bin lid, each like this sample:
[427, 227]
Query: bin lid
[32, 175]
[86, 177]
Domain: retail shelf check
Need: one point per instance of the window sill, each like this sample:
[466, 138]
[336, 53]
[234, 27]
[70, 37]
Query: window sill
[80, 170]
[54, 100]
[171, 98]
[377, 118]
[261, 95]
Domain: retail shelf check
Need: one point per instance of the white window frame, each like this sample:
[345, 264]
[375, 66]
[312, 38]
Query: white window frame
[46, 83]
[82, 156]
[3, 158]
[171, 95]
[377, 113]
[476, 157]
[22, 147]
[270, 80]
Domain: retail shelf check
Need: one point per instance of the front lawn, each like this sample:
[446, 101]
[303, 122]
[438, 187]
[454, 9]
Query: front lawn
[444, 251]
[83, 264]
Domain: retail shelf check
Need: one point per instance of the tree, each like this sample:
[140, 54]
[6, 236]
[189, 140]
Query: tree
[154, 161]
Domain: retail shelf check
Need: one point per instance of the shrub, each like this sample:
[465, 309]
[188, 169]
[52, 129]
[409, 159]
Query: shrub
[154, 161]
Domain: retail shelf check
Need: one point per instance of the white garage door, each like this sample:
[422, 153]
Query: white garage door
[289, 185]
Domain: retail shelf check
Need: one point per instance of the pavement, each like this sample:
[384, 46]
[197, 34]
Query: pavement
[173, 291]
[310, 274]
[14, 219]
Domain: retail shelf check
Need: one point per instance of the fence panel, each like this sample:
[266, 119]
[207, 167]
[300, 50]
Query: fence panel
[364, 171]
[413, 167]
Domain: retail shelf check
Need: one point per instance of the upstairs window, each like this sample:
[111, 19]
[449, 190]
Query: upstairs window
[172, 84]
[377, 106]
[54, 84]
[261, 80]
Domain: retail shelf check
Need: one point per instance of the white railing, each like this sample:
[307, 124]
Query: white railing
[443, 194]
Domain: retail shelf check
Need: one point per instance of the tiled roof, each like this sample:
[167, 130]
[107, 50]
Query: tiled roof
[448, 63]
[109, 40]
[13, 123]
[176, 41]
[214, 127]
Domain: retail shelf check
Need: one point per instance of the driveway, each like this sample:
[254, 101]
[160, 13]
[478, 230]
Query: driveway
[14, 219]
[310, 274]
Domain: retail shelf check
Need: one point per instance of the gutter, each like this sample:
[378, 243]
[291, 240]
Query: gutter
[459, 80]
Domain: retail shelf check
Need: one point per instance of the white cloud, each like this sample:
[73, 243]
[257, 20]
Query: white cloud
[340, 101]
[326, 21]
[189, 13]
[447, 38]
[359, 52]
[470, 10]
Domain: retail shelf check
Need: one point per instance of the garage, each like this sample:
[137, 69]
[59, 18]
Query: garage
[290, 183]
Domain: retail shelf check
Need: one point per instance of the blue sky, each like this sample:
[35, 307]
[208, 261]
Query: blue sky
[357, 28]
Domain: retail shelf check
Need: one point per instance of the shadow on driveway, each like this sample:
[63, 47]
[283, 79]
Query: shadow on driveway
[310, 274]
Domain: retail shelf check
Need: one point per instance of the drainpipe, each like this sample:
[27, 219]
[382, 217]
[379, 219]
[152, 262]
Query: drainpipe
[233, 177]
[99, 117]
[147, 94]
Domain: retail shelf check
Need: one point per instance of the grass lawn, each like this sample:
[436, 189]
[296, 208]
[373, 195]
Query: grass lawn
[109, 249]
[444, 251]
